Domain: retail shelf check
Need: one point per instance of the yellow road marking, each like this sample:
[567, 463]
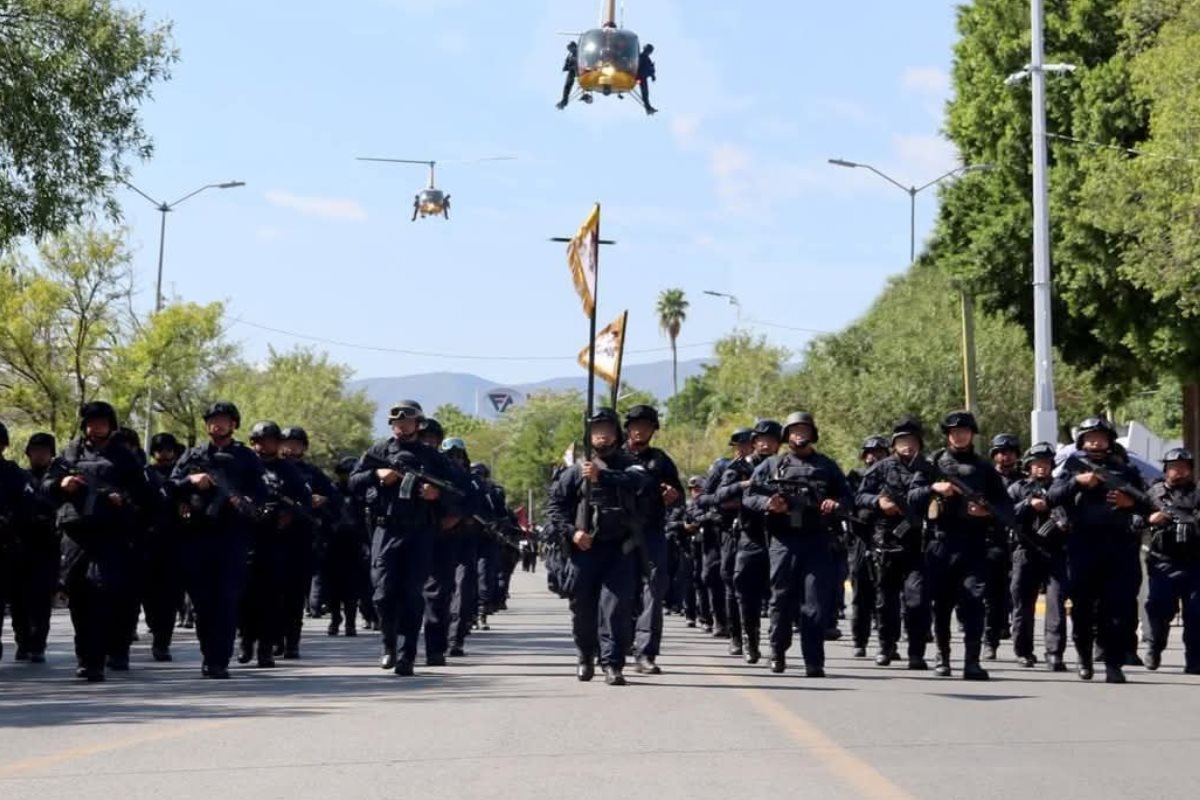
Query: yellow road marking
[107, 746]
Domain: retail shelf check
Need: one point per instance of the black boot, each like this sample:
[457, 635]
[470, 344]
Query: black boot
[1055, 663]
[646, 666]
[941, 667]
[404, 668]
[735, 646]
[388, 659]
[1153, 660]
[585, 670]
[245, 652]
[613, 676]
[972, 671]
[778, 663]
[1113, 673]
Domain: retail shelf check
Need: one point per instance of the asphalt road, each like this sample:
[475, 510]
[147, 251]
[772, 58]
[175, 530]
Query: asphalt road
[510, 721]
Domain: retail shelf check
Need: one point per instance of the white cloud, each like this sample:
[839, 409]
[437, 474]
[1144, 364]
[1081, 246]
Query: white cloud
[926, 80]
[324, 207]
[926, 154]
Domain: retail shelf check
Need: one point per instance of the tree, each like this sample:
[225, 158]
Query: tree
[75, 72]
[457, 422]
[672, 312]
[60, 321]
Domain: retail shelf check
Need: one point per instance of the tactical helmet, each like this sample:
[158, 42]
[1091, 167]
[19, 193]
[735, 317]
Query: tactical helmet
[98, 409]
[266, 429]
[454, 443]
[46, 440]
[642, 412]
[1178, 454]
[1095, 424]
[802, 418]
[695, 482]
[4, 436]
[1039, 451]
[345, 465]
[908, 426]
[223, 408]
[295, 433]
[432, 427]
[1005, 441]
[960, 419]
[768, 427]
[481, 469]
[741, 436]
[873, 443]
[164, 441]
[405, 409]
[604, 414]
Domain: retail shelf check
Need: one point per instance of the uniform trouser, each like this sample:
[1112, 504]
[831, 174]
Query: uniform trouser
[837, 586]
[366, 586]
[956, 569]
[902, 592]
[1173, 583]
[1032, 569]
[728, 569]
[1104, 573]
[466, 589]
[261, 616]
[863, 584]
[648, 641]
[439, 591]
[997, 597]
[297, 575]
[98, 588]
[32, 579]
[162, 590]
[605, 582]
[317, 601]
[752, 580]
[683, 586]
[215, 576]
[711, 588]
[487, 574]
[342, 581]
[508, 565]
[399, 567]
[672, 597]
[802, 569]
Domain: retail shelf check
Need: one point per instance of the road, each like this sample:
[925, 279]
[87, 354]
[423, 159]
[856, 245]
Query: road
[510, 721]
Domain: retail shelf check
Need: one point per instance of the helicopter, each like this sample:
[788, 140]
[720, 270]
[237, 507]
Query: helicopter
[607, 61]
[430, 201]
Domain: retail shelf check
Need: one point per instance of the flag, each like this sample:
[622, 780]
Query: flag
[581, 257]
[610, 343]
[569, 455]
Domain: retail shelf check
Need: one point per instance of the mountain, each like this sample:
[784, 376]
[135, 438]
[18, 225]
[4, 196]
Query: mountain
[470, 392]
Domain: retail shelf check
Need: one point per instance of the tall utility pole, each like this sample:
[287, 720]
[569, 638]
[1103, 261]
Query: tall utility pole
[970, 396]
[1044, 419]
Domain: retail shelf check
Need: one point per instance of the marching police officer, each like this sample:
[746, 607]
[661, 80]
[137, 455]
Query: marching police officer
[860, 564]
[1005, 453]
[34, 558]
[599, 506]
[1173, 562]
[1039, 559]
[163, 585]
[898, 545]
[16, 511]
[720, 552]
[797, 493]
[1102, 494]
[963, 497]
[641, 423]
[218, 488]
[347, 562]
[308, 549]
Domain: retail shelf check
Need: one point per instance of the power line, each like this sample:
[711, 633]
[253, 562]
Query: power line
[1118, 148]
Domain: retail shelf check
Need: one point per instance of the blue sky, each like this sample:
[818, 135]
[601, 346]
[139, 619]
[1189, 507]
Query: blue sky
[726, 189]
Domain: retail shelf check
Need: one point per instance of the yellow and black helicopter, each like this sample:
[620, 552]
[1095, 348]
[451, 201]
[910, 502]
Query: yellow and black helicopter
[430, 201]
[608, 60]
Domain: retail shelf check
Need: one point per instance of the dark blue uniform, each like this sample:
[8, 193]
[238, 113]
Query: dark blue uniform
[648, 639]
[1173, 564]
[163, 583]
[751, 564]
[716, 583]
[1039, 559]
[16, 512]
[32, 560]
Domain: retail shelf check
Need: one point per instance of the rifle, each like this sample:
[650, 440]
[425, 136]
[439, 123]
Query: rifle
[221, 494]
[412, 474]
[1183, 522]
[804, 495]
[954, 474]
[277, 498]
[95, 490]
[1074, 465]
[1056, 522]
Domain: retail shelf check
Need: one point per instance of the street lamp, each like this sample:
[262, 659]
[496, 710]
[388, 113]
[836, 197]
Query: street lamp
[164, 208]
[733, 301]
[967, 305]
[1044, 419]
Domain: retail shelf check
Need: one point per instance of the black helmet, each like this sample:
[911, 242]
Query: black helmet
[802, 418]
[128, 437]
[405, 409]
[873, 443]
[164, 441]
[225, 409]
[36, 440]
[642, 412]
[345, 465]
[4, 436]
[695, 482]
[432, 427]
[908, 426]
[1178, 454]
[266, 429]
[481, 469]
[960, 419]
[1095, 424]
[1005, 441]
[741, 436]
[604, 414]
[1039, 451]
[295, 433]
[98, 409]
[768, 427]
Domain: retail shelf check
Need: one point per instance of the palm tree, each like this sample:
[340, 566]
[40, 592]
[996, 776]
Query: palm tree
[672, 312]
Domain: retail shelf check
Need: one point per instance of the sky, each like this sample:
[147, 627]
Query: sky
[727, 189]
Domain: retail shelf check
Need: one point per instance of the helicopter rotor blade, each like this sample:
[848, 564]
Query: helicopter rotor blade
[478, 160]
[397, 161]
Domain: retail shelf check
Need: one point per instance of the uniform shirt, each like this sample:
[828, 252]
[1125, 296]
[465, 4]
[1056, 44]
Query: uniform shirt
[1169, 541]
[975, 472]
[618, 492]
[240, 473]
[1023, 493]
[17, 504]
[395, 514]
[824, 478]
[891, 477]
[1088, 509]
[745, 525]
[663, 470]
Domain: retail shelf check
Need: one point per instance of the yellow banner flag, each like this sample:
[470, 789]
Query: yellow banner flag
[610, 345]
[581, 257]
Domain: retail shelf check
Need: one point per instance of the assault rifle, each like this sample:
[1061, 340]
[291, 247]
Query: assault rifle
[1074, 465]
[221, 494]
[412, 475]
[1183, 522]
[954, 474]
[804, 495]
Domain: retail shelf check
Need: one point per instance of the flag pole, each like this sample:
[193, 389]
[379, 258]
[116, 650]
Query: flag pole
[616, 387]
[591, 382]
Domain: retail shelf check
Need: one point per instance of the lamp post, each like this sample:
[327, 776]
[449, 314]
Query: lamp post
[733, 301]
[165, 208]
[965, 301]
[1044, 419]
